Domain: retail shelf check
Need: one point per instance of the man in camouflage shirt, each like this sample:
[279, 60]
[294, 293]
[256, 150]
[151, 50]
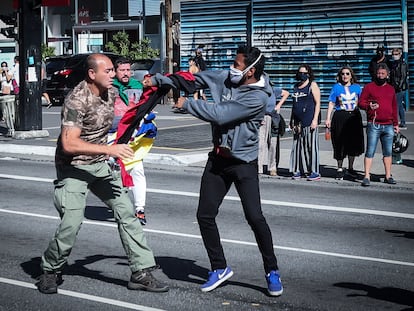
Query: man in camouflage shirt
[81, 165]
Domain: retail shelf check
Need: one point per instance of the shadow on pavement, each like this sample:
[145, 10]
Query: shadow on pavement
[186, 270]
[390, 294]
[402, 234]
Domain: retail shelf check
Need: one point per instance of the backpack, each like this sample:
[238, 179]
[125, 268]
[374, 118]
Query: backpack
[278, 123]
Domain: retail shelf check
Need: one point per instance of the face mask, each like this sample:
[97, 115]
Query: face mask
[396, 57]
[236, 75]
[4, 68]
[301, 76]
[379, 81]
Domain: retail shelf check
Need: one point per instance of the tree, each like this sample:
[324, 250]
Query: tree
[121, 45]
[47, 51]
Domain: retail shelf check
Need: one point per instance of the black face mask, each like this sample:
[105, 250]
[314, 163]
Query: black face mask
[379, 81]
[301, 76]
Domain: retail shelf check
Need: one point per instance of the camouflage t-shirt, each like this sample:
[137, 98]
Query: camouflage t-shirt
[93, 115]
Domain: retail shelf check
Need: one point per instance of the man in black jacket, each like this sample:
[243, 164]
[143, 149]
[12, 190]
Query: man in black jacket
[201, 64]
[199, 59]
[398, 79]
[380, 57]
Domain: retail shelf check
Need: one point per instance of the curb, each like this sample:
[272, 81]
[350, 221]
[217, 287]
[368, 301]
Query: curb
[404, 174]
[187, 159]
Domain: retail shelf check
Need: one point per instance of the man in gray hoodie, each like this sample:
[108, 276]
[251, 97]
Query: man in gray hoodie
[240, 96]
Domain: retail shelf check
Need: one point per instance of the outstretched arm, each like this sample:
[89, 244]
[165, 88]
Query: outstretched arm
[73, 144]
[226, 112]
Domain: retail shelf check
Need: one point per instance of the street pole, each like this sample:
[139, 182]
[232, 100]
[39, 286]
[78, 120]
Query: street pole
[108, 4]
[168, 34]
[74, 38]
[29, 106]
[404, 18]
[143, 19]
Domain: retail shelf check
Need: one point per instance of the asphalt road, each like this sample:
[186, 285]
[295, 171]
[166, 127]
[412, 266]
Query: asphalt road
[339, 246]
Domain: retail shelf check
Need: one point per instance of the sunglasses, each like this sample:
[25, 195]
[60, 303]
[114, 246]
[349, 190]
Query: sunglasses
[345, 73]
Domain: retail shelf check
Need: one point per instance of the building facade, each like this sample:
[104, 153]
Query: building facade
[325, 34]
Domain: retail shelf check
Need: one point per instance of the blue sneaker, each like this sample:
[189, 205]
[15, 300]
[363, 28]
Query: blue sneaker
[314, 176]
[274, 283]
[296, 176]
[215, 278]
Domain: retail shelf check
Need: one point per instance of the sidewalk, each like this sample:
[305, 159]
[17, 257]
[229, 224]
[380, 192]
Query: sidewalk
[177, 158]
[404, 174]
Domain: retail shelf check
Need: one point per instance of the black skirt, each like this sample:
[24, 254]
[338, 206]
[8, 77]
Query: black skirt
[347, 134]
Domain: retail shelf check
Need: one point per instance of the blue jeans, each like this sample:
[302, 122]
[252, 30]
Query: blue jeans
[401, 106]
[376, 132]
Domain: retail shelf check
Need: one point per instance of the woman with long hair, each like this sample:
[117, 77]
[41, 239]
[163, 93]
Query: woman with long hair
[304, 157]
[346, 124]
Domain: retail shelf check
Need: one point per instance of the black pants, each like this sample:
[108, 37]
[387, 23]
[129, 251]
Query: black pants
[218, 176]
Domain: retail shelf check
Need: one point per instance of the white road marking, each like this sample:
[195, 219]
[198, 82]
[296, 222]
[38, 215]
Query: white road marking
[246, 243]
[99, 299]
[264, 202]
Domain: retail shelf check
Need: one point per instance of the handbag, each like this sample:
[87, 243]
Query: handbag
[16, 88]
[282, 126]
[278, 123]
[297, 129]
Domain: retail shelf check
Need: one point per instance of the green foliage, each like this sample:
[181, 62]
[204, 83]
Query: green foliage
[121, 45]
[47, 51]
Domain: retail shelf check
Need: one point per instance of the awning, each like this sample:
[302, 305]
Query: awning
[123, 25]
[59, 39]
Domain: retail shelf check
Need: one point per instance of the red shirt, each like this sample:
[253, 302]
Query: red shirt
[384, 95]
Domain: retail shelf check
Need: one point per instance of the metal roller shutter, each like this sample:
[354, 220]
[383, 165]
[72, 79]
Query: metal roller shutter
[325, 34]
[410, 19]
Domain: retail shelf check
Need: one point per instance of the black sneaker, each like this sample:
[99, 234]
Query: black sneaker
[144, 280]
[340, 174]
[48, 282]
[352, 173]
[365, 182]
[390, 181]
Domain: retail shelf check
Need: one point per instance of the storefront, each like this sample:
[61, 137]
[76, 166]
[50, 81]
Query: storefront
[93, 37]
[325, 34]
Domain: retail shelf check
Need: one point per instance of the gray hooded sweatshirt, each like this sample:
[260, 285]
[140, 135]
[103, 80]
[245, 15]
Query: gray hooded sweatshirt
[235, 114]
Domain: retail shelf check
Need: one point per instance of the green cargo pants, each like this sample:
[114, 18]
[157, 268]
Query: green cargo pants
[71, 188]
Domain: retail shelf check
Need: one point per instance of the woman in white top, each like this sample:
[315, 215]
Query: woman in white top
[6, 79]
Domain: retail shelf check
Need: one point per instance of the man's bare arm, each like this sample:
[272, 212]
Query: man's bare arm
[73, 144]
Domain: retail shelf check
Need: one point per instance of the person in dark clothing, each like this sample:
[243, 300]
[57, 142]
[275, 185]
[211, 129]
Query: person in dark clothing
[201, 65]
[398, 79]
[380, 57]
[199, 60]
[304, 157]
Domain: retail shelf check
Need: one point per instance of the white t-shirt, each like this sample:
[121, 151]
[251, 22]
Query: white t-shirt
[4, 83]
[15, 72]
